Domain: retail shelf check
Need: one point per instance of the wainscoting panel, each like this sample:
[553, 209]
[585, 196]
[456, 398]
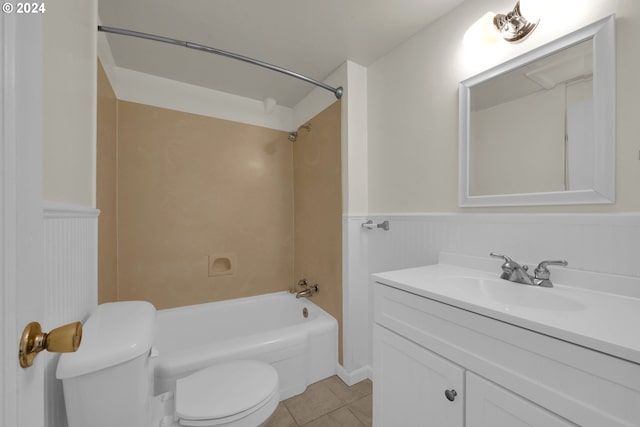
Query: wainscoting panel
[604, 243]
[70, 272]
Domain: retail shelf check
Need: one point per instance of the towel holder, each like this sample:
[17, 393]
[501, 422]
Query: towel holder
[370, 225]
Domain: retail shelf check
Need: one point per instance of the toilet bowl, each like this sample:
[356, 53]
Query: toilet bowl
[240, 394]
[109, 380]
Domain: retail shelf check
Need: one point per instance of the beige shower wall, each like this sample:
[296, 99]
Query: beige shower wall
[318, 210]
[191, 187]
[106, 143]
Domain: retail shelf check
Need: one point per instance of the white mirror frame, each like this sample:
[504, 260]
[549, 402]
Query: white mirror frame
[604, 92]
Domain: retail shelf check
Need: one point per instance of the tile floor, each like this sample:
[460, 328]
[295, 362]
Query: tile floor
[327, 403]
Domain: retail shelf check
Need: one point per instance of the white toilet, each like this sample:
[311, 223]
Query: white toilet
[109, 381]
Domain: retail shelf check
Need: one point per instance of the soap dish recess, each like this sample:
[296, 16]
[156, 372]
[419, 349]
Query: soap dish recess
[221, 265]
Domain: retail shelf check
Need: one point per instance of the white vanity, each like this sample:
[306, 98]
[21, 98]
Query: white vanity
[454, 345]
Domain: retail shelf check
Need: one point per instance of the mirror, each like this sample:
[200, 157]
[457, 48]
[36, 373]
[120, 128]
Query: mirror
[540, 128]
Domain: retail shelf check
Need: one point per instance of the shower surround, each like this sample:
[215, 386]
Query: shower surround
[179, 190]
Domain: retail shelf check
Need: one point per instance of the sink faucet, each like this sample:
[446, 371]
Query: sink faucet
[517, 273]
[542, 272]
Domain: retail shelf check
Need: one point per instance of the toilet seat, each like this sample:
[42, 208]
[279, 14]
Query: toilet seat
[226, 393]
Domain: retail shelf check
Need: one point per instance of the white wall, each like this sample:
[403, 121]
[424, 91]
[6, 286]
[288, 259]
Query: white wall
[413, 105]
[69, 78]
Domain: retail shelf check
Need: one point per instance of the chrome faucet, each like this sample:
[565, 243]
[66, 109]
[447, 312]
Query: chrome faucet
[307, 290]
[542, 272]
[517, 273]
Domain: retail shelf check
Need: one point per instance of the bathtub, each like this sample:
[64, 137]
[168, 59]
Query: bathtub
[270, 328]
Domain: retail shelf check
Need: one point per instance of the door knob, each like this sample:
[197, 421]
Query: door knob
[450, 395]
[64, 339]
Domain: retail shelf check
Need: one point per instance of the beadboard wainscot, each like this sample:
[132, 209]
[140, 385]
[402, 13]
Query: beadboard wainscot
[70, 273]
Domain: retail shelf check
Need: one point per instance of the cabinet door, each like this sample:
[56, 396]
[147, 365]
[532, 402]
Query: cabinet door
[410, 383]
[489, 405]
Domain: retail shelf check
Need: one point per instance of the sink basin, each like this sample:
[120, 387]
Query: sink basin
[509, 294]
[589, 309]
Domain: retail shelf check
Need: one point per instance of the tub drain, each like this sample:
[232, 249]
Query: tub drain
[305, 312]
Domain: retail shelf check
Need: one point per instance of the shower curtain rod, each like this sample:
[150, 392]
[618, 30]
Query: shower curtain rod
[336, 91]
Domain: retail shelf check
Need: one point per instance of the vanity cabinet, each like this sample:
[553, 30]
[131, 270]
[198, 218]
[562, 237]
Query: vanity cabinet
[504, 375]
[411, 383]
[415, 387]
[489, 405]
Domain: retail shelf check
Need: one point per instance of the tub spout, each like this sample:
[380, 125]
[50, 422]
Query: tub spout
[308, 291]
[305, 293]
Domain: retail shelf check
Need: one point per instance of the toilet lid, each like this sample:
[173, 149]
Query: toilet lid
[224, 390]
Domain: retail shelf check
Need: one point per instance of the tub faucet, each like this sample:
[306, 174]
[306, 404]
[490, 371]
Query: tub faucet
[308, 291]
[517, 273]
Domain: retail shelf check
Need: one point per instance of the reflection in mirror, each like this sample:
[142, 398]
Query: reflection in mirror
[540, 129]
[532, 124]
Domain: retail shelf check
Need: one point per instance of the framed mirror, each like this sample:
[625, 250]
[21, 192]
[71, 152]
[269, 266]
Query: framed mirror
[540, 128]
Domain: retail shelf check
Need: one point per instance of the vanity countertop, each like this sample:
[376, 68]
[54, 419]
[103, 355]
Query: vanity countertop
[603, 321]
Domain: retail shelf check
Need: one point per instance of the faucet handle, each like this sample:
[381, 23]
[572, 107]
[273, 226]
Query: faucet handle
[509, 263]
[542, 272]
[504, 257]
[508, 266]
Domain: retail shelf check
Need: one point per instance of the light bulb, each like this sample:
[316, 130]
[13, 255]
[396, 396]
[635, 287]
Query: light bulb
[481, 33]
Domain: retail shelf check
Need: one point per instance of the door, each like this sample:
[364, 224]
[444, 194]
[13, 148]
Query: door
[489, 405]
[413, 386]
[21, 284]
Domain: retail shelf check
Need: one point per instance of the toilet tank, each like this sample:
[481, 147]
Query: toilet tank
[109, 381]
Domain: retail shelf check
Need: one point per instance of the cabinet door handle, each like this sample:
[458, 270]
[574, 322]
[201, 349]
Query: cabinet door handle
[450, 395]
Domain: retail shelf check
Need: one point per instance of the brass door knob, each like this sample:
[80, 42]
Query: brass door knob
[64, 339]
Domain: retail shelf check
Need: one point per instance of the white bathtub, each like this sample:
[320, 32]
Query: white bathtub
[269, 327]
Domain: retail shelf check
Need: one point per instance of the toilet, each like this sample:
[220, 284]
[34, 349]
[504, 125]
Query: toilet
[109, 380]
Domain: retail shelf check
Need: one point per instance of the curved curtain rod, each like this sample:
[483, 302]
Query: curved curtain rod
[336, 91]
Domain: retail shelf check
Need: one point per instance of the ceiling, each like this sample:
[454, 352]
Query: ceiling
[311, 37]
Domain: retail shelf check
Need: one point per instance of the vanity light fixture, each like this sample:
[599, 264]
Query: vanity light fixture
[513, 26]
[481, 33]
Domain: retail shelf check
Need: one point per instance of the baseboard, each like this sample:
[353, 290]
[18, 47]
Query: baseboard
[355, 376]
